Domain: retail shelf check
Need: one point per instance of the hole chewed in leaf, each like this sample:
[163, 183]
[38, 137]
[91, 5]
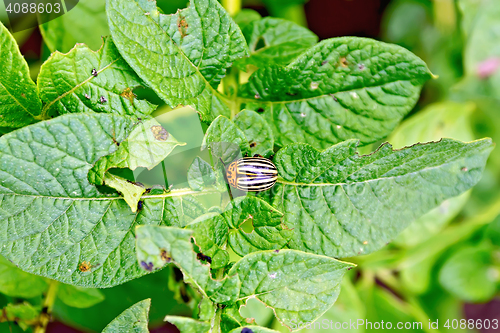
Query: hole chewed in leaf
[261, 43]
[343, 62]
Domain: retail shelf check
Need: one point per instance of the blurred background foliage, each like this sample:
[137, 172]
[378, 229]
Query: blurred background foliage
[446, 265]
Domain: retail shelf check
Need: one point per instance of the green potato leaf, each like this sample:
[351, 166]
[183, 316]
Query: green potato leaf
[158, 246]
[213, 230]
[19, 312]
[188, 325]
[47, 202]
[85, 23]
[210, 235]
[79, 297]
[341, 204]
[131, 192]
[85, 81]
[134, 319]
[268, 231]
[146, 146]
[274, 41]
[257, 131]
[183, 56]
[19, 101]
[440, 120]
[469, 274]
[342, 88]
[298, 286]
[246, 16]
[200, 174]
[226, 140]
[16, 283]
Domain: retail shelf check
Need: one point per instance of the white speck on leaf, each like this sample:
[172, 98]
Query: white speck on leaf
[314, 85]
[339, 127]
[273, 275]
[303, 115]
[354, 95]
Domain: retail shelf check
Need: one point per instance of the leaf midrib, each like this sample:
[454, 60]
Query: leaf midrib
[49, 105]
[248, 99]
[179, 49]
[174, 193]
[284, 182]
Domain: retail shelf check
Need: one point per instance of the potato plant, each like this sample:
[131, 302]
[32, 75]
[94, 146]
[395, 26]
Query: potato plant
[71, 219]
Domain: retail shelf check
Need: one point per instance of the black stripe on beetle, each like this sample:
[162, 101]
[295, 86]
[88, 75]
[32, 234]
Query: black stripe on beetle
[253, 174]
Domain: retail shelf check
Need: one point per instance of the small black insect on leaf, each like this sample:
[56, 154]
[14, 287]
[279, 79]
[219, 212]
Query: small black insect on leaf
[202, 257]
[246, 330]
[140, 205]
[147, 266]
[94, 72]
[260, 110]
[103, 100]
[276, 251]
[253, 144]
[164, 256]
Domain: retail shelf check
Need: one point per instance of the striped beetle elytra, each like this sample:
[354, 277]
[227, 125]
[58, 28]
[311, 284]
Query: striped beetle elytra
[253, 174]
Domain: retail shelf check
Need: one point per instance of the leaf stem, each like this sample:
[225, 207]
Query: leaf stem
[215, 324]
[232, 6]
[48, 304]
[445, 17]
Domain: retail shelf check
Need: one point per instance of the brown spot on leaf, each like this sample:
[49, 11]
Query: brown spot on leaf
[343, 62]
[23, 95]
[159, 133]
[182, 26]
[85, 266]
[253, 144]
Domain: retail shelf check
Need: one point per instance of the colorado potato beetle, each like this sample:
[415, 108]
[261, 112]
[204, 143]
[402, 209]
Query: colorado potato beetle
[252, 174]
